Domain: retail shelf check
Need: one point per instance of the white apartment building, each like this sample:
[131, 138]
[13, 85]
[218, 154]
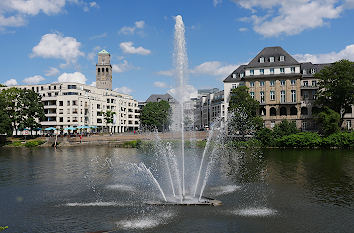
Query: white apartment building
[74, 104]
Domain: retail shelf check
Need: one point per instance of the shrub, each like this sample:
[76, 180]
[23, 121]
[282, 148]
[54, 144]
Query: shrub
[340, 140]
[266, 137]
[35, 143]
[328, 121]
[284, 128]
[300, 140]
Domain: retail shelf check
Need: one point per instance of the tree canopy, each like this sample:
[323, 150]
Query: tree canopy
[336, 86]
[328, 121]
[156, 115]
[243, 112]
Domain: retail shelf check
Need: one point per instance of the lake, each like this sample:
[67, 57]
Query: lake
[97, 188]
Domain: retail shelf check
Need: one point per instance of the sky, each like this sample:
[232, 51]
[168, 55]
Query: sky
[46, 41]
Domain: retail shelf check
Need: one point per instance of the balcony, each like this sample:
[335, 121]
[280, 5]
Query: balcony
[309, 87]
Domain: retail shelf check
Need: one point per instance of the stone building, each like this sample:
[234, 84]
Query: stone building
[284, 88]
[74, 104]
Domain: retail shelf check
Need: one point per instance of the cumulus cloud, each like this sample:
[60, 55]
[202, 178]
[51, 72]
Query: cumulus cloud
[11, 82]
[128, 47]
[34, 79]
[55, 45]
[186, 94]
[131, 30]
[75, 77]
[214, 68]
[52, 72]
[91, 55]
[160, 84]
[243, 29]
[93, 84]
[346, 53]
[290, 17]
[124, 90]
[122, 67]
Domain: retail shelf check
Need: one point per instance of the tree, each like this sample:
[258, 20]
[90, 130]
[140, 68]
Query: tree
[5, 121]
[243, 112]
[12, 108]
[328, 121]
[336, 87]
[284, 128]
[32, 109]
[108, 117]
[156, 115]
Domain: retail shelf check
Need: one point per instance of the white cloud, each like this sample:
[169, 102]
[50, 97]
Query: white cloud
[128, 47]
[52, 72]
[214, 68]
[34, 79]
[188, 92]
[93, 84]
[11, 82]
[56, 46]
[346, 53]
[290, 17]
[131, 30]
[91, 55]
[123, 67]
[99, 36]
[217, 2]
[243, 29]
[75, 77]
[160, 84]
[124, 90]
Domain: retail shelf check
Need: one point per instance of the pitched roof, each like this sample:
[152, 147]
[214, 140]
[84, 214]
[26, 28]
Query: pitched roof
[103, 51]
[275, 52]
[158, 97]
[237, 72]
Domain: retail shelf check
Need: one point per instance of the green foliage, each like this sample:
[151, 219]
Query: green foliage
[328, 121]
[3, 228]
[108, 116]
[156, 115]
[12, 105]
[5, 121]
[132, 144]
[339, 140]
[266, 137]
[29, 144]
[32, 109]
[243, 111]
[284, 128]
[35, 143]
[300, 140]
[336, 86]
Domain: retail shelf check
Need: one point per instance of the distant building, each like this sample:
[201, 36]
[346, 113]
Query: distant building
[74, 104]
[284, 88]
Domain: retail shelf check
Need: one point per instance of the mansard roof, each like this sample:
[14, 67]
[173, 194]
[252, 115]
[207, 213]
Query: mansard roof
[274, 52]
[158, 97]
[237, 72]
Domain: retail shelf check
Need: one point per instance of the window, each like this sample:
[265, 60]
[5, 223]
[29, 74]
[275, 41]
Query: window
[71, 86]
[55, 87]
[282, 82]
[281, 58]
[313, 71]
[261, 83]
[272, 95]
[271, 70]
[261, 71]
[282, 97]
[271, 83]
[61, 111]
[61, 119]
[74, 103]
[304, 111]
[283, 111]
[262, 96]
[252, 94]
[282, 70]
[349, 124]
[314, 94]
[293, 111]
[68, 103]
[251, 72]
[61, 103]
[49, 87]
[234, 86]
[68, 119]
[304, 125]
[272, 124]
[304, 71]
[41, 88]
[98, 106]
[292, 69]
[251, 84]
[271, 59]
[306, 83]
[273, 111]
[242, 74]
[293, 82]
[306, 95]
[261, 59]
[293, 96]
[234, 75]
[314, 83]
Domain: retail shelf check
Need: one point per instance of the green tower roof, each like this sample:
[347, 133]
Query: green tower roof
[103, 52]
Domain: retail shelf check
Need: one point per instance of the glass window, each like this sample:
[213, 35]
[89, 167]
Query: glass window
[282, 82]
[262, 96]
[314, 83]
[293, 96]
[282, 70]
[306, 83]
[261, 83]
[272, 95]
[271, 59]
[261, 71]
[293, 82]
[251, 84]
[271, 70]
[261, 59]
[282, 96]
[281, 58]
[271, 83]
[252, 72]
[252, 94]
[292, 69]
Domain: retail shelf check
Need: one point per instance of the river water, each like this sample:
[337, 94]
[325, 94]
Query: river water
[87, 189]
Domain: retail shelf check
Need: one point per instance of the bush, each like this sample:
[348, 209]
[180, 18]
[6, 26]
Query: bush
[300, 140]
[340, 140]
[266, 137]
[328, 121]
[36, 143]
[284, 128]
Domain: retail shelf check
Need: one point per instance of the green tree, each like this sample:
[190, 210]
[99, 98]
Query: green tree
[13, 107]
[328, 121]
[2, 85]
[156, 115]
[336, 87]
[108, 117]
[32, 109]
[284, 128]
[243, 112]
[5, 121]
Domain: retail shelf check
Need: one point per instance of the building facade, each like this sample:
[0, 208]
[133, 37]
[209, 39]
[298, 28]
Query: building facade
[75, 104]
[285, 88]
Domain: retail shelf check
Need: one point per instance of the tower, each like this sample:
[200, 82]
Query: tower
[104, 71]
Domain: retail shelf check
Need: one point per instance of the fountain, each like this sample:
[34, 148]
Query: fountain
[184, 187]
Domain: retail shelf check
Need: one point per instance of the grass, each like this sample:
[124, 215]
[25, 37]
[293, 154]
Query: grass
[26, 143]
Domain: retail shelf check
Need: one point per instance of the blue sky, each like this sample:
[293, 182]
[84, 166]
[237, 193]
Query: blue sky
[44, 41]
